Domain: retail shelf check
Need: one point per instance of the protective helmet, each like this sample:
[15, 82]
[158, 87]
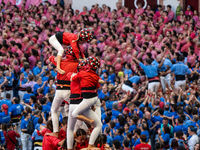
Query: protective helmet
[69, 53]
[93, 63]
[86, 35]
[81, 64]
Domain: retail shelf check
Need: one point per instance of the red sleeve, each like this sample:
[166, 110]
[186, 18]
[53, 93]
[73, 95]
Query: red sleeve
[54, 141]
[51, 59]
[75, 49]
[16, 134]
[76, 78]
[69, 75]
[44, 131]
[82, 54]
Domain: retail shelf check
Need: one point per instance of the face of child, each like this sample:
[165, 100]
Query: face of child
[82, 139]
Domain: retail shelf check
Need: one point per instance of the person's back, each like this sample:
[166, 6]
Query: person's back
[6, 101]
[10, 136]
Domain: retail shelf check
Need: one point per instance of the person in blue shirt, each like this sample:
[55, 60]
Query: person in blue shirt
[165, 137]
[109, 138]
[15, 110]
[38, 71]
[151, 71]
[26, 143]
[132, 123]
[22, 91]
[112, 75]
[104, 92]
[6, 101]
[45, 108]
[119, 136]
[180, 126]
[159, 117]
[127, 70]
[37, 139]
[144, 131]
[9, 83]
[132, 83]
[38, 85]
[27, 96]
[47, 75]
[36, 117]
[54, 71]
[106, 122]
[27, 71]
[4, 115]
[115, 112]
[180, 70]
[137, 135]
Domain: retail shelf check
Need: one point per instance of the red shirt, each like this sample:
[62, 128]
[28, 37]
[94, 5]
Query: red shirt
[89, 82]
[62, 134]
[143, 146]
[68, 39]
[67, 66]
[12, 135]
[79, 146]
[49, 142]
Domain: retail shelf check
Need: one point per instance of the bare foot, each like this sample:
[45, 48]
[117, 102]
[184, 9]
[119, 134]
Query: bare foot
[52, 134]
[92, 123]
[61, 71]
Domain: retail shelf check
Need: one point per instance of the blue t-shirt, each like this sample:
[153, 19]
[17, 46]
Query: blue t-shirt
[37, 86]
[102, 95]
[115, 113]
[26, 97]
[135, 79]
[119, 138]
[46, 108]
[35, 120]
[137, 142]
[128, 72]
[7, 102]
[109, 140]
[166, 137]
[132, 128]
[45, 79]
[37, 71]
[2, 137]
[53, 74]
[4, 118]
[24, 124]
[180, 128]
[147, 135]
[109, 104]
[16, 109]
[157, 118]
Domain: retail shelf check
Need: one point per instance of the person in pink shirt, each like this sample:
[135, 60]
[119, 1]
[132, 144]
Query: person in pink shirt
[165, 16]
[139, 11]
[188, 12]
[127, 57]
[158, 12]
[159, 43]
[142, 53]
[187, 45]
[105, 18]
[126, 13]
[170, 13]
[37, 19]
[191, 58]
[84, 11]
[18, 47]
[195, 17]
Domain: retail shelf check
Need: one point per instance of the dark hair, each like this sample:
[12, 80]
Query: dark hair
[65, 120]
[29, 89]
[16, 100]
[107, 119]
[112, 124]
[143, 138]
[107, 130]
[25, 115]
[138, 131]
[40, 120]
[180, 120]
[34, 99]
[179, 134]
[80, 132]
[174, 144]
[166, 128]
[126, 143]
[117, 144]
[8, 95]
[43, 100]
[120, 130]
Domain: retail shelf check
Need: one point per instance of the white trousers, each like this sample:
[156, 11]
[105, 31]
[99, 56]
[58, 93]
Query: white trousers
[10, 92]
[84, 109]
[26, 143]
[60, 96]
[21, 95]
[180, 84]
[166, 80]
[54, 42]
[127, 88]
[153, 86]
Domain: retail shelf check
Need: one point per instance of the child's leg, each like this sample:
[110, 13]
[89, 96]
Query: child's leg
[97, 126]
[83, 106]
[56, 44]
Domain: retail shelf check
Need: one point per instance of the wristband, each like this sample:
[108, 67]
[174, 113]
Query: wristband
[159, 90]
[170, 90]
[150, 95]
[21, 79]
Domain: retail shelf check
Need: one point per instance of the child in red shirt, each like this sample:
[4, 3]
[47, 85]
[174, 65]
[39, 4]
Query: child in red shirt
[89, 83]
[66, 38]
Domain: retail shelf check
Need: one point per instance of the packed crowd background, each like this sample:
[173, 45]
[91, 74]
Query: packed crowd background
[149, 62]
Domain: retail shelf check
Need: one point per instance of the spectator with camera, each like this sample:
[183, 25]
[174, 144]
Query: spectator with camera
[11, 134]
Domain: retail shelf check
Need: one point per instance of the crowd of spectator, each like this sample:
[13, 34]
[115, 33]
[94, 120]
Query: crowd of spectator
[149, 62]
